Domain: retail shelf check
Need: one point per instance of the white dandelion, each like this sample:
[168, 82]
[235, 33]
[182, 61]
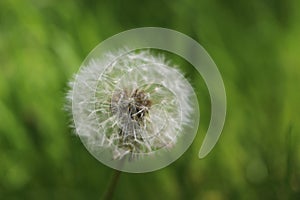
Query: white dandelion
[130, 104]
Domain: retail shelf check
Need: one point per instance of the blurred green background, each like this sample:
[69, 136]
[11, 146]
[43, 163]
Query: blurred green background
[255, 44]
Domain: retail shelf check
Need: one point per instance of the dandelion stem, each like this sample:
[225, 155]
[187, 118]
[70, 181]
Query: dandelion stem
[108, 195]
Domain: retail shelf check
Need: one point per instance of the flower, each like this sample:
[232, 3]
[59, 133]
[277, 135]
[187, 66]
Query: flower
[130, 103]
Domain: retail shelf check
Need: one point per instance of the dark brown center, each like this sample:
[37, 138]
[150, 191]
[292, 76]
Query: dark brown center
[140, 105]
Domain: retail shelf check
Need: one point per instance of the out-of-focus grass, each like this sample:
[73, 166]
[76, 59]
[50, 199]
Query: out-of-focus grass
[255, 45]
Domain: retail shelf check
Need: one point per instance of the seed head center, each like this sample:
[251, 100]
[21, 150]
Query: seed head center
[139, 106]
[135, 104]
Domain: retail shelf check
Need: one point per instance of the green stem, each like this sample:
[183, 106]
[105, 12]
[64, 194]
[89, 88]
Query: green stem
[112, 186]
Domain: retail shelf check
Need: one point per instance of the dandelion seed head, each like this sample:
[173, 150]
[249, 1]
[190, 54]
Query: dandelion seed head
[130, 103]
